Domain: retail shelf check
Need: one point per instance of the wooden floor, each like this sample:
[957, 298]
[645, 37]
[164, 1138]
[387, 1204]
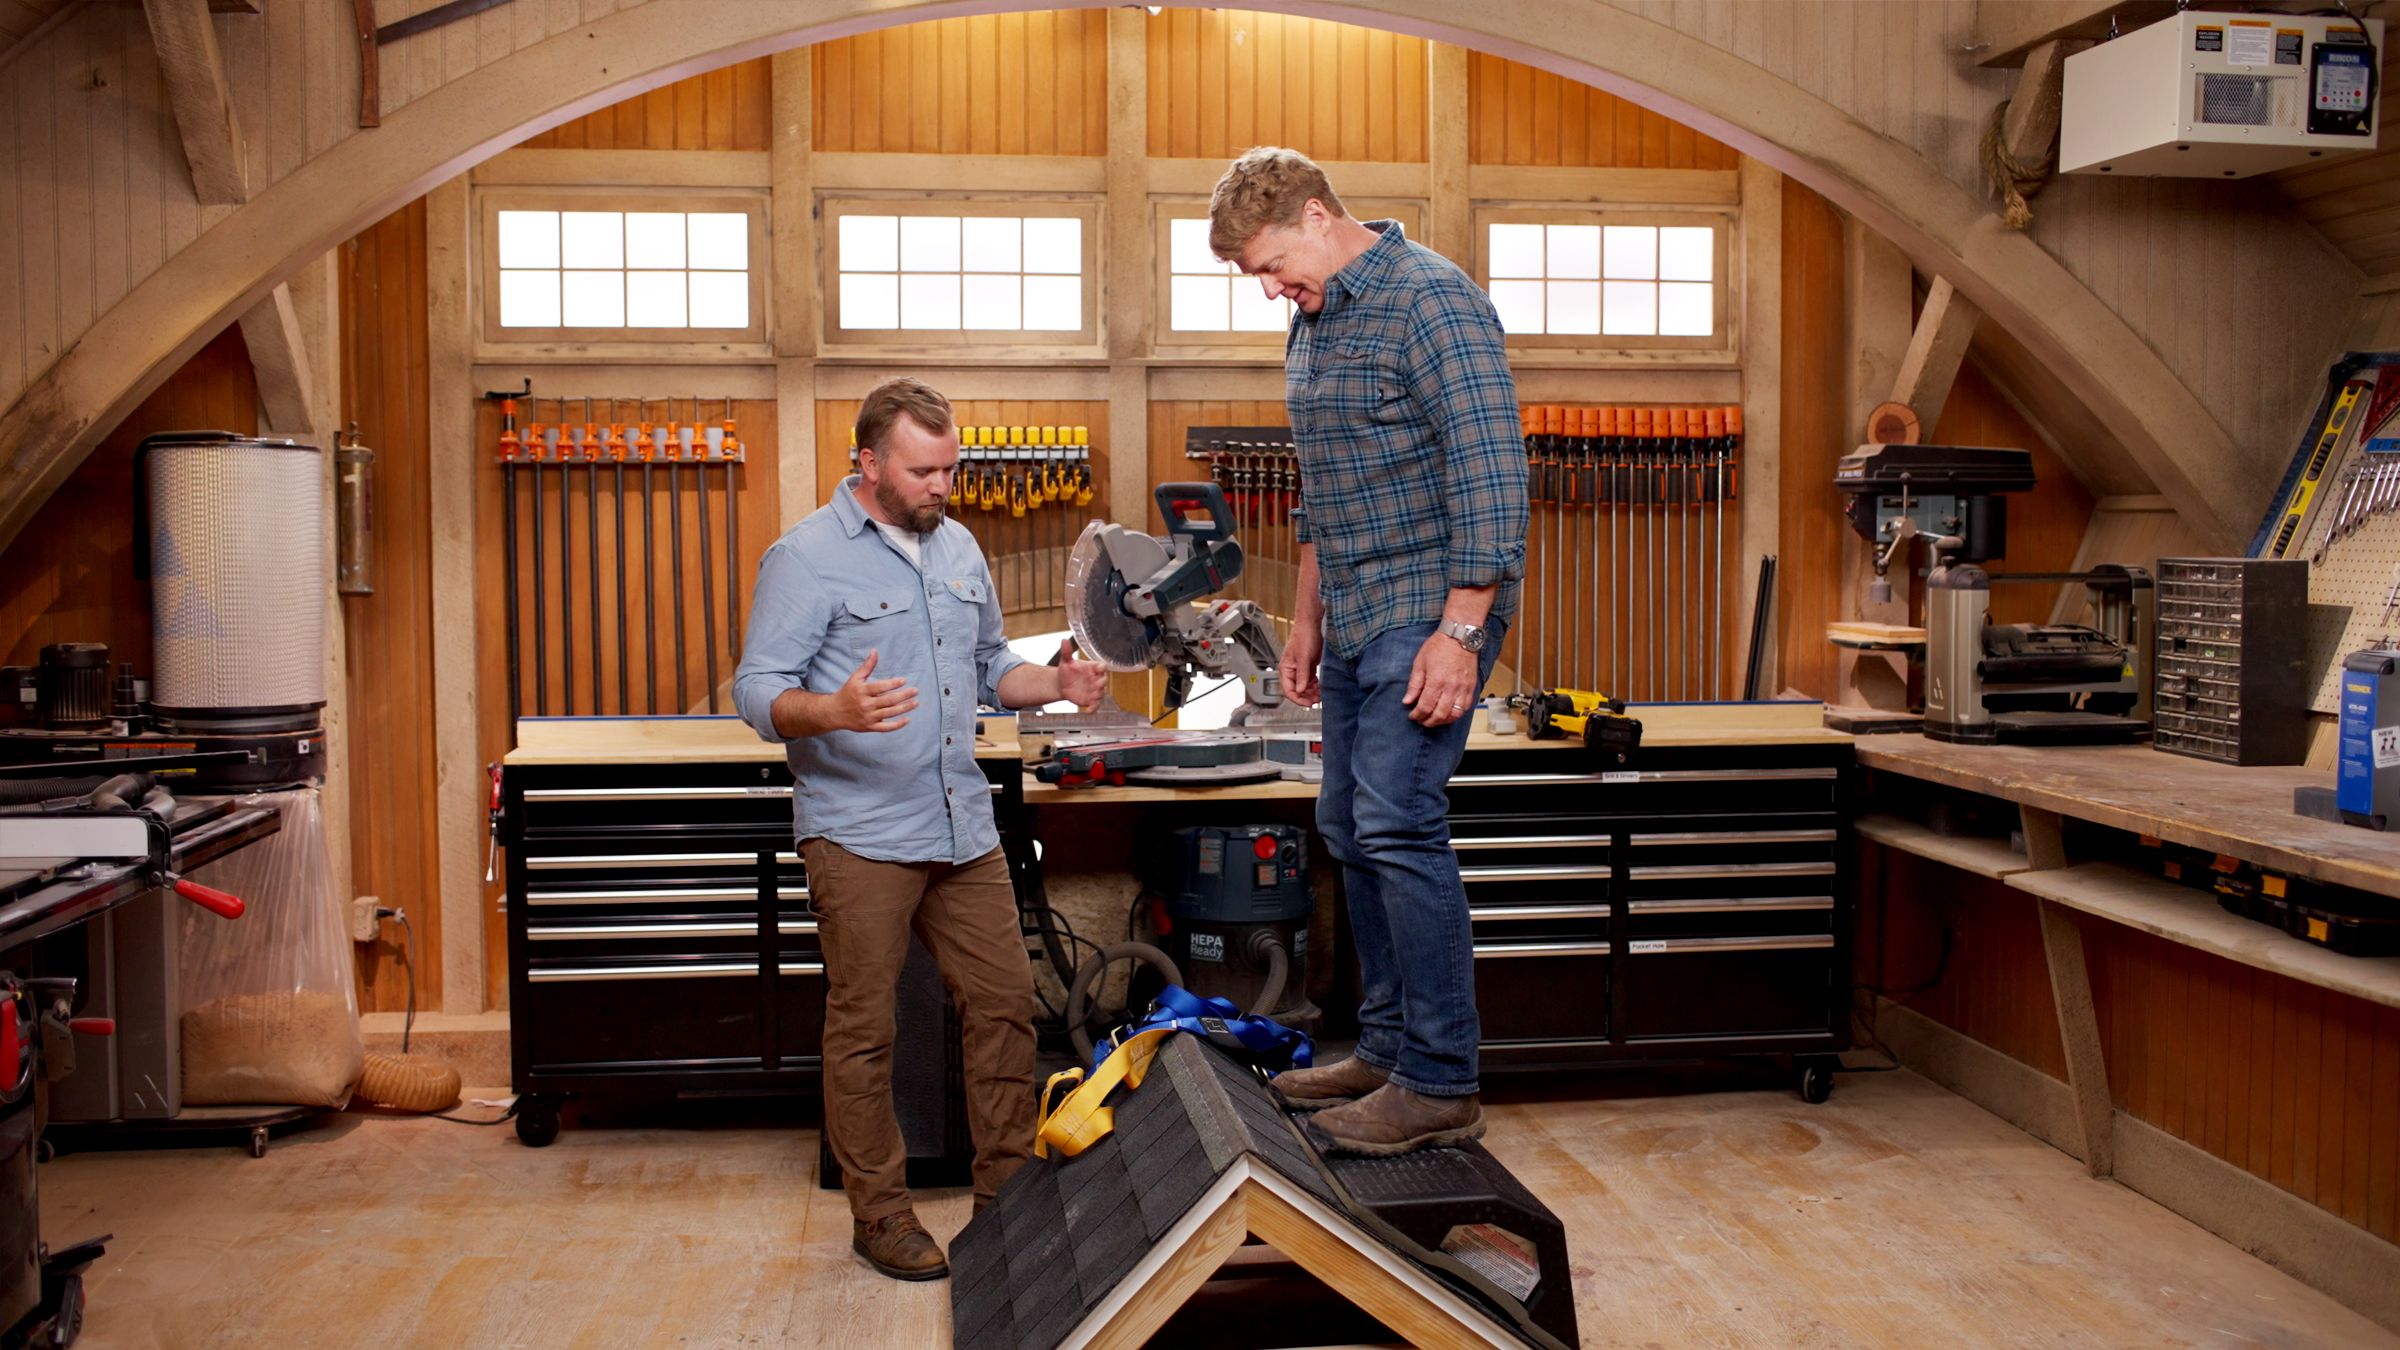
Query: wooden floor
[1897, 1214]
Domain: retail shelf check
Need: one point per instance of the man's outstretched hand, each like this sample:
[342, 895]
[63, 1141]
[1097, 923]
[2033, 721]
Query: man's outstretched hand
[864, 704]
[1082, 683]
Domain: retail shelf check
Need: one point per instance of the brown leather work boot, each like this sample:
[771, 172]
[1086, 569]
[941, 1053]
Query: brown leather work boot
[899, 1246]
[1344, 1080]
[1392, 1119]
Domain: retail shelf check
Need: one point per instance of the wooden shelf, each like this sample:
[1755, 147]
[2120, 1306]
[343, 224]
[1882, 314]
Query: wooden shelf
[2180, 914]
[1274, 789]
[1985, 857]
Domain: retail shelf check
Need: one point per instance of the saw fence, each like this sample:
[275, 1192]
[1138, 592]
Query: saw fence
[1627, 547]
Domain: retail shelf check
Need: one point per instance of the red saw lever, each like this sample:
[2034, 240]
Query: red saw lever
[210, 898]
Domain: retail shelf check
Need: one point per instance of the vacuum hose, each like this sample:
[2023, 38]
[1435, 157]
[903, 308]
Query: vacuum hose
[1265, 946]
[1079, 990]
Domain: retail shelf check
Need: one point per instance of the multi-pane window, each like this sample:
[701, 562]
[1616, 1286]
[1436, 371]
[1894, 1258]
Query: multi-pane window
[1205, 295]
[624, 269]
[961, 273]
[1607, 280]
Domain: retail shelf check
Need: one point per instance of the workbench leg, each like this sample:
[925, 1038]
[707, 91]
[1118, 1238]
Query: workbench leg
[2079, 1032]
[2045, 839]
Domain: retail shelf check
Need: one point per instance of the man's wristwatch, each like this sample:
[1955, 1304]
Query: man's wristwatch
[1469, 636]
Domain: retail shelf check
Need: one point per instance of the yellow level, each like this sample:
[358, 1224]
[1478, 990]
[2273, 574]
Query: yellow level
[2314, 472]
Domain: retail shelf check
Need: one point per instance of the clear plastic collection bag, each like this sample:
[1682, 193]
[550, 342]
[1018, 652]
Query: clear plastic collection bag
[270, 1011]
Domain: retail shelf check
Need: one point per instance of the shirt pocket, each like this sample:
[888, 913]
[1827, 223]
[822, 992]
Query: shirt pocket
[1363, 383]
[866, 625]
[966, 590]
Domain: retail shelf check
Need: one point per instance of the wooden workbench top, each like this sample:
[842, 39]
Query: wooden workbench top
[2244, 812]
[721, 739]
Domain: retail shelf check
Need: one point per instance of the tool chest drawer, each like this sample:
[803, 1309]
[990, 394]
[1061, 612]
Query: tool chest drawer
[1694, 903]
[629, 1014]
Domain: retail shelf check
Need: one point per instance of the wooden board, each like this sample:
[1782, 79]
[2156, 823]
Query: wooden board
[2244, 812]
[1984, 857]
[2192, 918]
[683, 740]
[1862, 634]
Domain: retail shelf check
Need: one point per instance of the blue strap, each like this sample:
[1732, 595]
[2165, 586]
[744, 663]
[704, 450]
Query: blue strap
[1258, 1040]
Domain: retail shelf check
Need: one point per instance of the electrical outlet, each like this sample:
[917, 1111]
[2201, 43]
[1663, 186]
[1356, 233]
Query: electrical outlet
[363, 923]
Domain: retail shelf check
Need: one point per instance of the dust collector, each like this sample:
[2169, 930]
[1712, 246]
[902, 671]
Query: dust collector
[233, 543]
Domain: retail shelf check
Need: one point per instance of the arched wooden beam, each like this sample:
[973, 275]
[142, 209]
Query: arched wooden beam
[1945, 229]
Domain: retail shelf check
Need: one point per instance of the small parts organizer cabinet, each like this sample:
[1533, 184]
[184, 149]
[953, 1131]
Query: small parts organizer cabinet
[659, 934]
[2232, 644]
[1695, 905]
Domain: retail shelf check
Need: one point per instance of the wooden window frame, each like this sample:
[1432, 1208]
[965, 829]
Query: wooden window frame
[1166, 341]
[1722, 346]
[837, 341]
[519, 343]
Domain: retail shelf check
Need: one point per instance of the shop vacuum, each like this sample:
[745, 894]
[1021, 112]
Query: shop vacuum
[1237, 906]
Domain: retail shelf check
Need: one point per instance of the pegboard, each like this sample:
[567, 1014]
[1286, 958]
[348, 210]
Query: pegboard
[2348, 439]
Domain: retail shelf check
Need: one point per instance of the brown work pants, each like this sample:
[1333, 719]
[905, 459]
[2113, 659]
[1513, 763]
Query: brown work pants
[966, 915]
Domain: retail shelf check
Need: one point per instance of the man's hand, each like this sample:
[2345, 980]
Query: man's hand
[1298, 669]
[1441, 685]
[862, 704]
[1082, 683]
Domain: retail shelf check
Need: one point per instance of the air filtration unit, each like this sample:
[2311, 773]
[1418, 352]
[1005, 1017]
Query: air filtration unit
[235, 554]
[2207, 94]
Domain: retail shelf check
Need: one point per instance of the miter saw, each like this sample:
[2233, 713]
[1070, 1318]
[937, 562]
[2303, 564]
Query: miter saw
[1139, 602]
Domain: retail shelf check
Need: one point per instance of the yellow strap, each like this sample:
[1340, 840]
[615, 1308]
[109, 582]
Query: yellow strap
[1085, 1118]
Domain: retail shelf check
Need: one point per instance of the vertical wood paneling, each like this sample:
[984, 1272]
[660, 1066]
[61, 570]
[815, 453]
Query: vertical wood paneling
[1026, 555]
[1994, 984]
[2295, 1085]
[1224, 80]
[390, 637]
[727, 109]
[1520, 115]
[1004, 84]
[1816, 382]
[71, 572]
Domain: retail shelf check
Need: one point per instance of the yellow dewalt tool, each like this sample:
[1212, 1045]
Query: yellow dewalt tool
[1608, 734]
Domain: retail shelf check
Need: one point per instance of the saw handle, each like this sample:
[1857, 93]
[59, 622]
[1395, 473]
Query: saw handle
[1197, 511]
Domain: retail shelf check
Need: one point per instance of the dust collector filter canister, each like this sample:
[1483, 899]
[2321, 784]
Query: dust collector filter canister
[236, 550]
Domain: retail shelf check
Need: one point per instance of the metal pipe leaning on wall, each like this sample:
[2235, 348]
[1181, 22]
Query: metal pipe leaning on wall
[540, 443]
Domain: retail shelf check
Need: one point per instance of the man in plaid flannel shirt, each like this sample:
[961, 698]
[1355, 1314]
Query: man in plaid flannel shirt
[1412, 557]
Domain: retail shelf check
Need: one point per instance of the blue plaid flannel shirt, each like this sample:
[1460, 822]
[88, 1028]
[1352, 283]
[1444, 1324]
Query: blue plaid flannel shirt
[1412, 459]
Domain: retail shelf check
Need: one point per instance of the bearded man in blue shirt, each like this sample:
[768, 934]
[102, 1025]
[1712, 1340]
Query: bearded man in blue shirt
[874, 632]
[1412, 557]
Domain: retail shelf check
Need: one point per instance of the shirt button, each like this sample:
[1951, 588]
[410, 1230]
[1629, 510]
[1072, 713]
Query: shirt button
[945, 691]
[937, 642]
[884, 605]
[947, 741]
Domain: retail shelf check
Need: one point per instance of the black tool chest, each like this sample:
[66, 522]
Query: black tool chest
[659, 934]
[1693, 905]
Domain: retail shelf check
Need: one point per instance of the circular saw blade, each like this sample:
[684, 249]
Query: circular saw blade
[1096, 615]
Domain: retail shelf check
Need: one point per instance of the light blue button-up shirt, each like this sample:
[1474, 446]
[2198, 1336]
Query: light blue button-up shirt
[833, 588]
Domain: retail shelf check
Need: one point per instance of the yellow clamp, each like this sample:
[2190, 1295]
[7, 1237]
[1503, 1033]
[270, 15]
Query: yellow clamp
[1016, 495]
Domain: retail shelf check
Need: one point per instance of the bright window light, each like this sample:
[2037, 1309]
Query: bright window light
[933, 273]
[1603, 280]
[1208, 296]
[624, 269]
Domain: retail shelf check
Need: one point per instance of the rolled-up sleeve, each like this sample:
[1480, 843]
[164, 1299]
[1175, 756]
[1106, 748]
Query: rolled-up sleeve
[1458, 370]
[993, 659]
[789, 613]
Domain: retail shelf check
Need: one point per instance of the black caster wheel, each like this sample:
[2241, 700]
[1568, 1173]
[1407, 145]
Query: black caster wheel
[1816, 1082]
[537, 1121]
[45, 1151]
[258, 1141]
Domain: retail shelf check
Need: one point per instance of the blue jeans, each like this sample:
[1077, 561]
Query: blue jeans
[1383, 811]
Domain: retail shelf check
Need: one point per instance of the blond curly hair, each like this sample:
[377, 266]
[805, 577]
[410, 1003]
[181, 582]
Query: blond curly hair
[1268, 185]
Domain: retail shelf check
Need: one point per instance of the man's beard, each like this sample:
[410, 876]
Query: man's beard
[919, 520]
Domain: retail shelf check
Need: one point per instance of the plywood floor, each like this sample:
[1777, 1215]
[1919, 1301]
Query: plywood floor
[1897, 1214]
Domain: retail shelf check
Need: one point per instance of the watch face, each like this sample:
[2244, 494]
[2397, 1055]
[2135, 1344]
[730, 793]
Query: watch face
[1470, 637]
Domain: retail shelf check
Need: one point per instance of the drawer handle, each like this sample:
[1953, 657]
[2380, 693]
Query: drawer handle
[1503, 950]
[1736, 837]
[587, 861]
[1730, 904]
[1532, 841]
[796, 927]
[631, 896]
[800, 968]
[1641, 776]
[571, 932]
[1704, 870]
[1532, 913]
[1557, 872]
[653, 794]
[1685, 946]
[715, 970]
